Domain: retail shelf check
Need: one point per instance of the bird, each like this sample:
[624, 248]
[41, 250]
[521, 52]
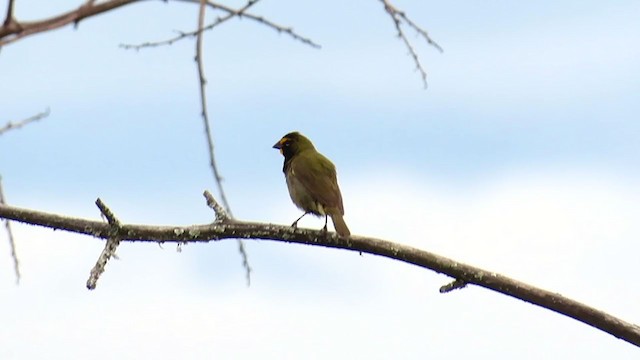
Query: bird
[312, 181]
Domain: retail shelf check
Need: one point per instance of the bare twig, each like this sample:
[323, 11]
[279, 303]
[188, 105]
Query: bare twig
[454, 285]
[398, 17]
[279, 28]
[19, 30]
[420, 30]
[245, 261]
[207, 127]
[11, 126]
[203, 104]
[10, 23]
[108, 214]
[9, 18]
[13, 30]
[221, 214]
[231, 13]
[18, 124]
[252, 230]
[110, 247]
[199, 30]
[12, 243]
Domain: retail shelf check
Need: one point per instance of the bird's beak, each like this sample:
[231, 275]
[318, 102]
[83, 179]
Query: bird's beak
[278, 145]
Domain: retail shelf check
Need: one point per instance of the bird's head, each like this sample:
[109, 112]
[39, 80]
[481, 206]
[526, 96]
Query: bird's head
[293, 143]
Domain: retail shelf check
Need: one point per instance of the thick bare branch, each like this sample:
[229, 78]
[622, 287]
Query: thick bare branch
[19, 30]
[253, 230]
[13, 30]
[12, 243]
[18, 124]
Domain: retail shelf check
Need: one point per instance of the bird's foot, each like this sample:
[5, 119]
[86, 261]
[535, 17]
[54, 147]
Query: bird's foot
[295, 223]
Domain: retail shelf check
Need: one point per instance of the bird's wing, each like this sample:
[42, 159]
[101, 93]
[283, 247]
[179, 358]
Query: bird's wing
[318, 176]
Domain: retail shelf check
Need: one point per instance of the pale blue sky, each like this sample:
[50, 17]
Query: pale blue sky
[522, 157]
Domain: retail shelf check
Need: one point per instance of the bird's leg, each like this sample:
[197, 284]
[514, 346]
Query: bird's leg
[295, 223]
[324, 229]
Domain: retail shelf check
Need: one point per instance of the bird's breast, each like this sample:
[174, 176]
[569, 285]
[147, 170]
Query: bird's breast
[301, 197]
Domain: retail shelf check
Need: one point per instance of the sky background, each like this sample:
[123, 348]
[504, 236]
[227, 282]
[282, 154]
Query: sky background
[521, 157]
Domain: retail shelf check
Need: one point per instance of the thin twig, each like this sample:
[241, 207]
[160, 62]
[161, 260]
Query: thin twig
[279, 28]
[205, 112]
[11, 126]
[13, 30]
[231, 13]
[420, 30]
[207, 128]
[18, 124]
[454, 285]
[223, 216]
[245, 261]
[9, 18]
[109, 250]
[12, 243]
[398, 17]
[199, 30]
[252, 230]
[221, 213]
[414, 55]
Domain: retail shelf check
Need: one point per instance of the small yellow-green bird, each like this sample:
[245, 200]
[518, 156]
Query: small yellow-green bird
[312, 181]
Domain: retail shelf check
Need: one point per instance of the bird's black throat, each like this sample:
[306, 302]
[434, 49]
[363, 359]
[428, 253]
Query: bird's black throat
[288, 156]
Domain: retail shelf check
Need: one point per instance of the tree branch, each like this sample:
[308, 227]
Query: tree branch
[19, 30]
[18, 124]
[398, 17]
[109, 249]
[203, 105]
[12, 30]
[279, 28]
[11, 126]
[221, 230]
[12, 243]
[207, 127]
[10, 23]
[231, 13]
[454, 285]
[9, 16]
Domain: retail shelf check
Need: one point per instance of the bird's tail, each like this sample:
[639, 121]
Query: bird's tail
[340, 225]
